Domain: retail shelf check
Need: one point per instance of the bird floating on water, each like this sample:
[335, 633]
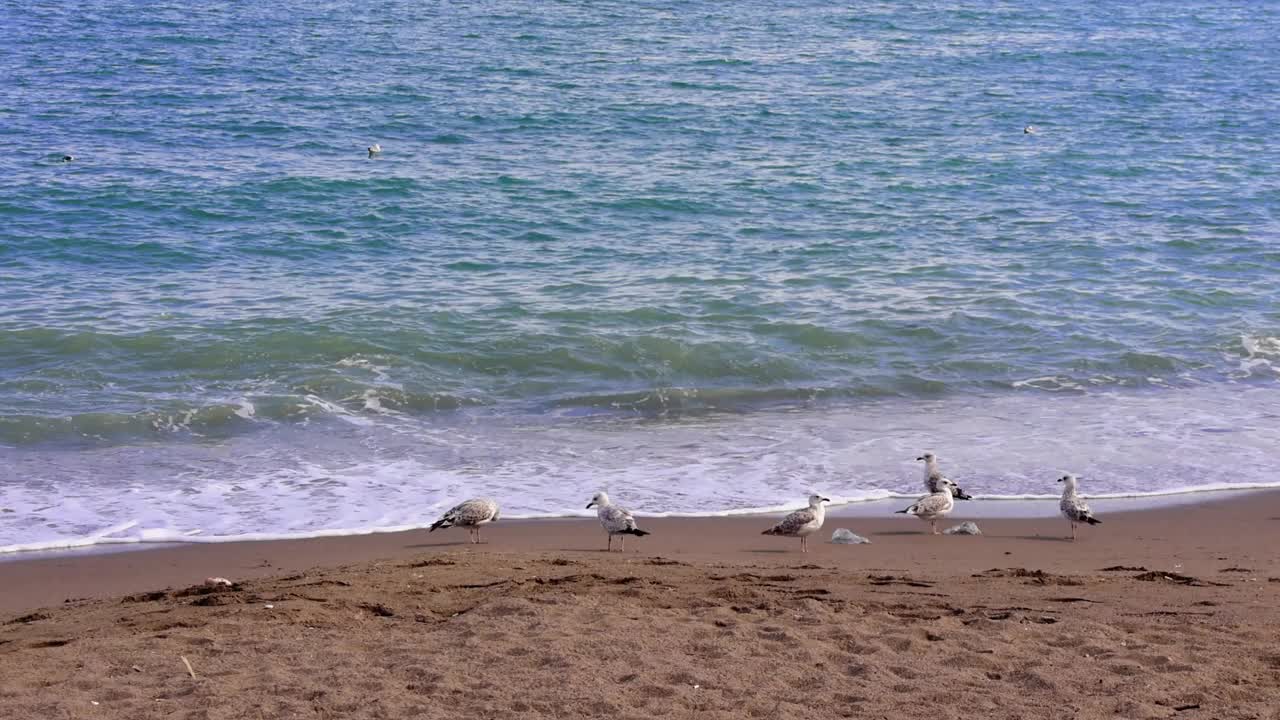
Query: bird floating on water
[802, 523]
[374, 149]
[1074, 509]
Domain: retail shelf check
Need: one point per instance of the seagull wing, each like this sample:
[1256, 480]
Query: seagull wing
[616, 519]
[792, 523]
[1076, 510]
[930, 505]
[476, 510]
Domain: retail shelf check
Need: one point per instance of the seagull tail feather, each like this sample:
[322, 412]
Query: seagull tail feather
[441, 523]
[636, 531]
[1092, 520]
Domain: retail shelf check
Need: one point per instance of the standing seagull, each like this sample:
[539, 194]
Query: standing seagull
[470, 514]
[933, 478]
[615, 520]
[802, 523]
[934, 506]
[1074, 509]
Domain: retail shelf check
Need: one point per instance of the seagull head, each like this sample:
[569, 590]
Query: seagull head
[1069, 479]
[599, 498]
[927, 457]
[817, 500]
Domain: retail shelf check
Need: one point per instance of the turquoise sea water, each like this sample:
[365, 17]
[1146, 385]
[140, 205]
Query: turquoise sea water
[709, 255]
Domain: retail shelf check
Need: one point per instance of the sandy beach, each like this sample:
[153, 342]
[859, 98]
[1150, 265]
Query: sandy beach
[1162, 613]
[282, 283]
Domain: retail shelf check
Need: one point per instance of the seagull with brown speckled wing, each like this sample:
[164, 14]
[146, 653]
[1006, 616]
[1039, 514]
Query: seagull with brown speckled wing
[802, 523]
[470, 514]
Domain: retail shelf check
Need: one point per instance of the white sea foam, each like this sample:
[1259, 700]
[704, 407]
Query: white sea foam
[245, 409]
[338, 411]
[1261, 345]
[1261, 357]
[1048, 382]
[373, 402]
[159, 536]
[174, 423]
[381, 373]
[395, 472]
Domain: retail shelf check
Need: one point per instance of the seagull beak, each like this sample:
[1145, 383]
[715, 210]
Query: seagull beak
[826, 499]
[593, 502]
[1061, 479]
[920, 458]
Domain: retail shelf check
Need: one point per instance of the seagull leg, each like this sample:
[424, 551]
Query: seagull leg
[934, 525]
[1073, 531]
[610, 543]
[622, 543]
[477, 534]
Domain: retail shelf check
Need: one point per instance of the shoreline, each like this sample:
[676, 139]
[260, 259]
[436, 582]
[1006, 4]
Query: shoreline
[981, 508]
[293, 479]
[1154, 614]
[1180, 530]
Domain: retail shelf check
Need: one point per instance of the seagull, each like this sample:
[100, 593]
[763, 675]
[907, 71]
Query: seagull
[1030, 130]
[802, 523]
[68, 158]
[615, 520]
[470, 514]
[933, 478]
[935, 505]
[1074, 509]
[374, 149]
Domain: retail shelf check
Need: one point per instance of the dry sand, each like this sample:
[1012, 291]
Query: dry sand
[705, 619]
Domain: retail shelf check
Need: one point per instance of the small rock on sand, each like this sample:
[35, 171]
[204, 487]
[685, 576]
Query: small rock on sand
[847, 537]
[965, 528]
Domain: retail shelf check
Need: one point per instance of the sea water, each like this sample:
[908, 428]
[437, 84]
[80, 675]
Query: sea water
[709, 256]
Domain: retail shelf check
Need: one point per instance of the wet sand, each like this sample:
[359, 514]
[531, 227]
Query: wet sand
[1162, 613]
